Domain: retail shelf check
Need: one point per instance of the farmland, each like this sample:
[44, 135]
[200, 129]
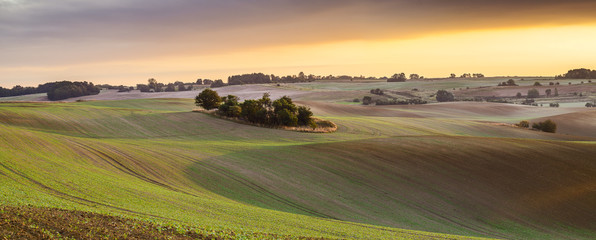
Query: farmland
[455, 170]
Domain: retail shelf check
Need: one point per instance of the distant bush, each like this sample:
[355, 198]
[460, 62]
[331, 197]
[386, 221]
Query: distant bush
[553, 105]
[546, 126]
[581, 73]
[509, 82]
[66, 89]
[356, 100]
[217, 83]
[533, 93]
[367, 100]
[377, 91]
[399, 102]
[523, 124]
[444, 96]
[518, 95]
[590, 105]
[537, 84]
[401, 77]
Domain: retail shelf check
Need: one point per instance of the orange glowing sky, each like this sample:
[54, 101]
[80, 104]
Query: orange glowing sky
[127, 42]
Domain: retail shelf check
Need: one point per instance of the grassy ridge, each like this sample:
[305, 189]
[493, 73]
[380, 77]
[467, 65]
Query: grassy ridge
[152, 159]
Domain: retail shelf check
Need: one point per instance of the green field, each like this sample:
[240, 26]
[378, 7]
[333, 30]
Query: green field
[434, 174]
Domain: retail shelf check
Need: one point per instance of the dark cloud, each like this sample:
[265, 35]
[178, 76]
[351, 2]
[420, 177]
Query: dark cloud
[66, 31]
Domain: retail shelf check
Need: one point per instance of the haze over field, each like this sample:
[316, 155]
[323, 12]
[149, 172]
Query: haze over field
[126, 42]
[336, 119]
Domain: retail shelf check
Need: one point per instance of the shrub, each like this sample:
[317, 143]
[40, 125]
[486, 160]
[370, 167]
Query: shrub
[524, 124]
[518, 95]
[533, 93]
[537, 84]
[546, 126]
[367, 100]
[444, 96]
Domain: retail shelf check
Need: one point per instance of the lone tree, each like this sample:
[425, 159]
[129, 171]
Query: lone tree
[444, 96]
[208, 99]
[548, 92]
[533, 93]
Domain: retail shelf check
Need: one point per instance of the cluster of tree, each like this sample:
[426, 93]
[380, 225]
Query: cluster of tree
[257, 78]
[590, 104]
[19, 90]
[217, 83]
[120, 88]
[401, 77]
[344, 77]
[467, 75]
[444, 96]
[553, 105]
[581, 73]
[253, 78]
[533, 93]
[66, 89]
[281, 112]
[546, 126]
[509, 82]
[530, 102]
[154, 86]
[377, 91]
[204, 81]
[368, 101]
[549, 92]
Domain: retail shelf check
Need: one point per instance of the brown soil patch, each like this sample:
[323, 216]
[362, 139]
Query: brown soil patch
[577, 123]
[51, 223]
[27, 222]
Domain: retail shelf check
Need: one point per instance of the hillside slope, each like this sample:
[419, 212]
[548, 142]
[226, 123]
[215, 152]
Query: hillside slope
[153, 159]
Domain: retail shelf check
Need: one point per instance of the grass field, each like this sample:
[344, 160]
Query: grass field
[434, 170]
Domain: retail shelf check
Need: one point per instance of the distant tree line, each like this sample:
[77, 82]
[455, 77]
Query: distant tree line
[253, 78]
[280, 112]
[67, 89]
[398, 77]
[467, 75]
[259, 78]
[509, 83]
[580, 73]
[154, 86]
[19, 90]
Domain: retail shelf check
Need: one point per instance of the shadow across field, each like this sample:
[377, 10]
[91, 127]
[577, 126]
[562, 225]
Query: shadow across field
[504, 188]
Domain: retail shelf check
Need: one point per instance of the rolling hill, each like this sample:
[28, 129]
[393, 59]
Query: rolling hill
[433, 172]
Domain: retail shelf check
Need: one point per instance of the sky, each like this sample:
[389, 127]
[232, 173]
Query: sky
[128, 41]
